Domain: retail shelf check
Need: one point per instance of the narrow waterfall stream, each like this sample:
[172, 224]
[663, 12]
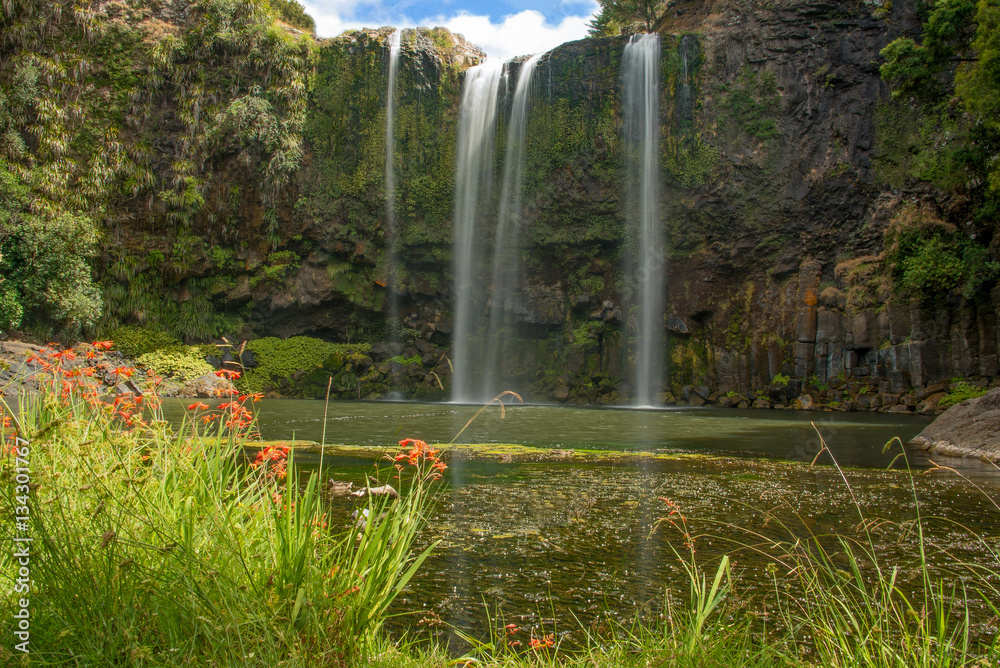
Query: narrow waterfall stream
[390, 186]
[644, 256]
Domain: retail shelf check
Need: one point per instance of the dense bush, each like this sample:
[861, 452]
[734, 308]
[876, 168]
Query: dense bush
[960, 392]
[133, 341]
[929, 259]
[180, 362]
[279, 359]
[45, 252]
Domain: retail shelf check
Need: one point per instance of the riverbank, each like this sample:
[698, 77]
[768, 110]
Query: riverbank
[210, 371]
[24, 367]
[302, 367]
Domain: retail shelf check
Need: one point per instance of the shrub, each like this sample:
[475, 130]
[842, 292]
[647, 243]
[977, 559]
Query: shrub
[180, 362]
[960, 393]
[279, 359]
[931, 259]
[45, 258]
[11, 310]
[405, 361]
[133, 342]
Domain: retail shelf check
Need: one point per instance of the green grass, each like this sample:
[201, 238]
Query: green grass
[160, 547]
[166, 547]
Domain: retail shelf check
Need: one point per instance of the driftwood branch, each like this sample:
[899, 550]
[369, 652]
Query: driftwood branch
[383, 490]
[341, 488]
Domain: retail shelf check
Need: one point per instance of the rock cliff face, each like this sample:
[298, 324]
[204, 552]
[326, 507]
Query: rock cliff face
[772, 202]
[272, 221]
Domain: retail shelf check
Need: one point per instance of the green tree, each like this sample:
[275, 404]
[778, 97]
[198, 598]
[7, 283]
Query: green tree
[45, 275]
[924, 69]
[617, 16]
[294, 14]
[943, 126]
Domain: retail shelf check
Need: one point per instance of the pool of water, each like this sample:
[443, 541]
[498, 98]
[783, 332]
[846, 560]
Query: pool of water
[553, 545]
[856, 438]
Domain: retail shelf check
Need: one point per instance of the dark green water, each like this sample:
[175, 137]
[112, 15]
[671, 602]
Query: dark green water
[555, 544]
[857, 438]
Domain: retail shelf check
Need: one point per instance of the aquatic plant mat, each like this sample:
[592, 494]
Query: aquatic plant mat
[196, 544]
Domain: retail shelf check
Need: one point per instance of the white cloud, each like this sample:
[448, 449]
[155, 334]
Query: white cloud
[334, 16]
[518, 34]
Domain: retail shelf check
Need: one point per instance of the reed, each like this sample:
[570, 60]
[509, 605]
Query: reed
[154, 546]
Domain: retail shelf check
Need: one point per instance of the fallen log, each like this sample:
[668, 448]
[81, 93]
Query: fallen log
[383, 490]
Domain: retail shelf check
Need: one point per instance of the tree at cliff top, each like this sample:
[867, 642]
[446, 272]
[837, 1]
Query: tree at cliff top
[294, 14]
[942, 126]
[949, 81]
[618, 16]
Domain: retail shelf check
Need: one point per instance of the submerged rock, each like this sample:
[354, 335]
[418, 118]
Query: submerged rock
[968, 429]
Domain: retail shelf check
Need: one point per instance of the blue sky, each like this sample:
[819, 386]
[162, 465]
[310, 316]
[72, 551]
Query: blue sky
[502, 28]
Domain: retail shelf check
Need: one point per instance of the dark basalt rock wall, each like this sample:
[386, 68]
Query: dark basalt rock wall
[769, 134]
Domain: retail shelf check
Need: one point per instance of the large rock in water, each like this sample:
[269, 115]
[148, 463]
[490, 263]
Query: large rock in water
[968, 429]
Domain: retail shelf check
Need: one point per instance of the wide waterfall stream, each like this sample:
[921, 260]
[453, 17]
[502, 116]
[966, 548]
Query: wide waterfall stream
[550, 542]
[473, 183]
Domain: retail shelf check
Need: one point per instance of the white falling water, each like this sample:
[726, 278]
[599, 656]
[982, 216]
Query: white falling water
[473, 186]
[645, 260]
[506, 242]
[390, 184]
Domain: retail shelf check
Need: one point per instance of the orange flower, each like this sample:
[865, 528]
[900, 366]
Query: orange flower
[227, 373]
[197, 406]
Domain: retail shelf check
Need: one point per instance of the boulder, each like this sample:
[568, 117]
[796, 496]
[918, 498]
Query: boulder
[968, 429]
[203, 387]
[804, 403]
[929, 406]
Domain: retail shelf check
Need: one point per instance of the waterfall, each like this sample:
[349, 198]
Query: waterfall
[390, 187]
[506, 241]
[645, 262]
[473, 188]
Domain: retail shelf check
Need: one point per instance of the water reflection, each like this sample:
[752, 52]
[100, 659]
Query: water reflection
[857, 438]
